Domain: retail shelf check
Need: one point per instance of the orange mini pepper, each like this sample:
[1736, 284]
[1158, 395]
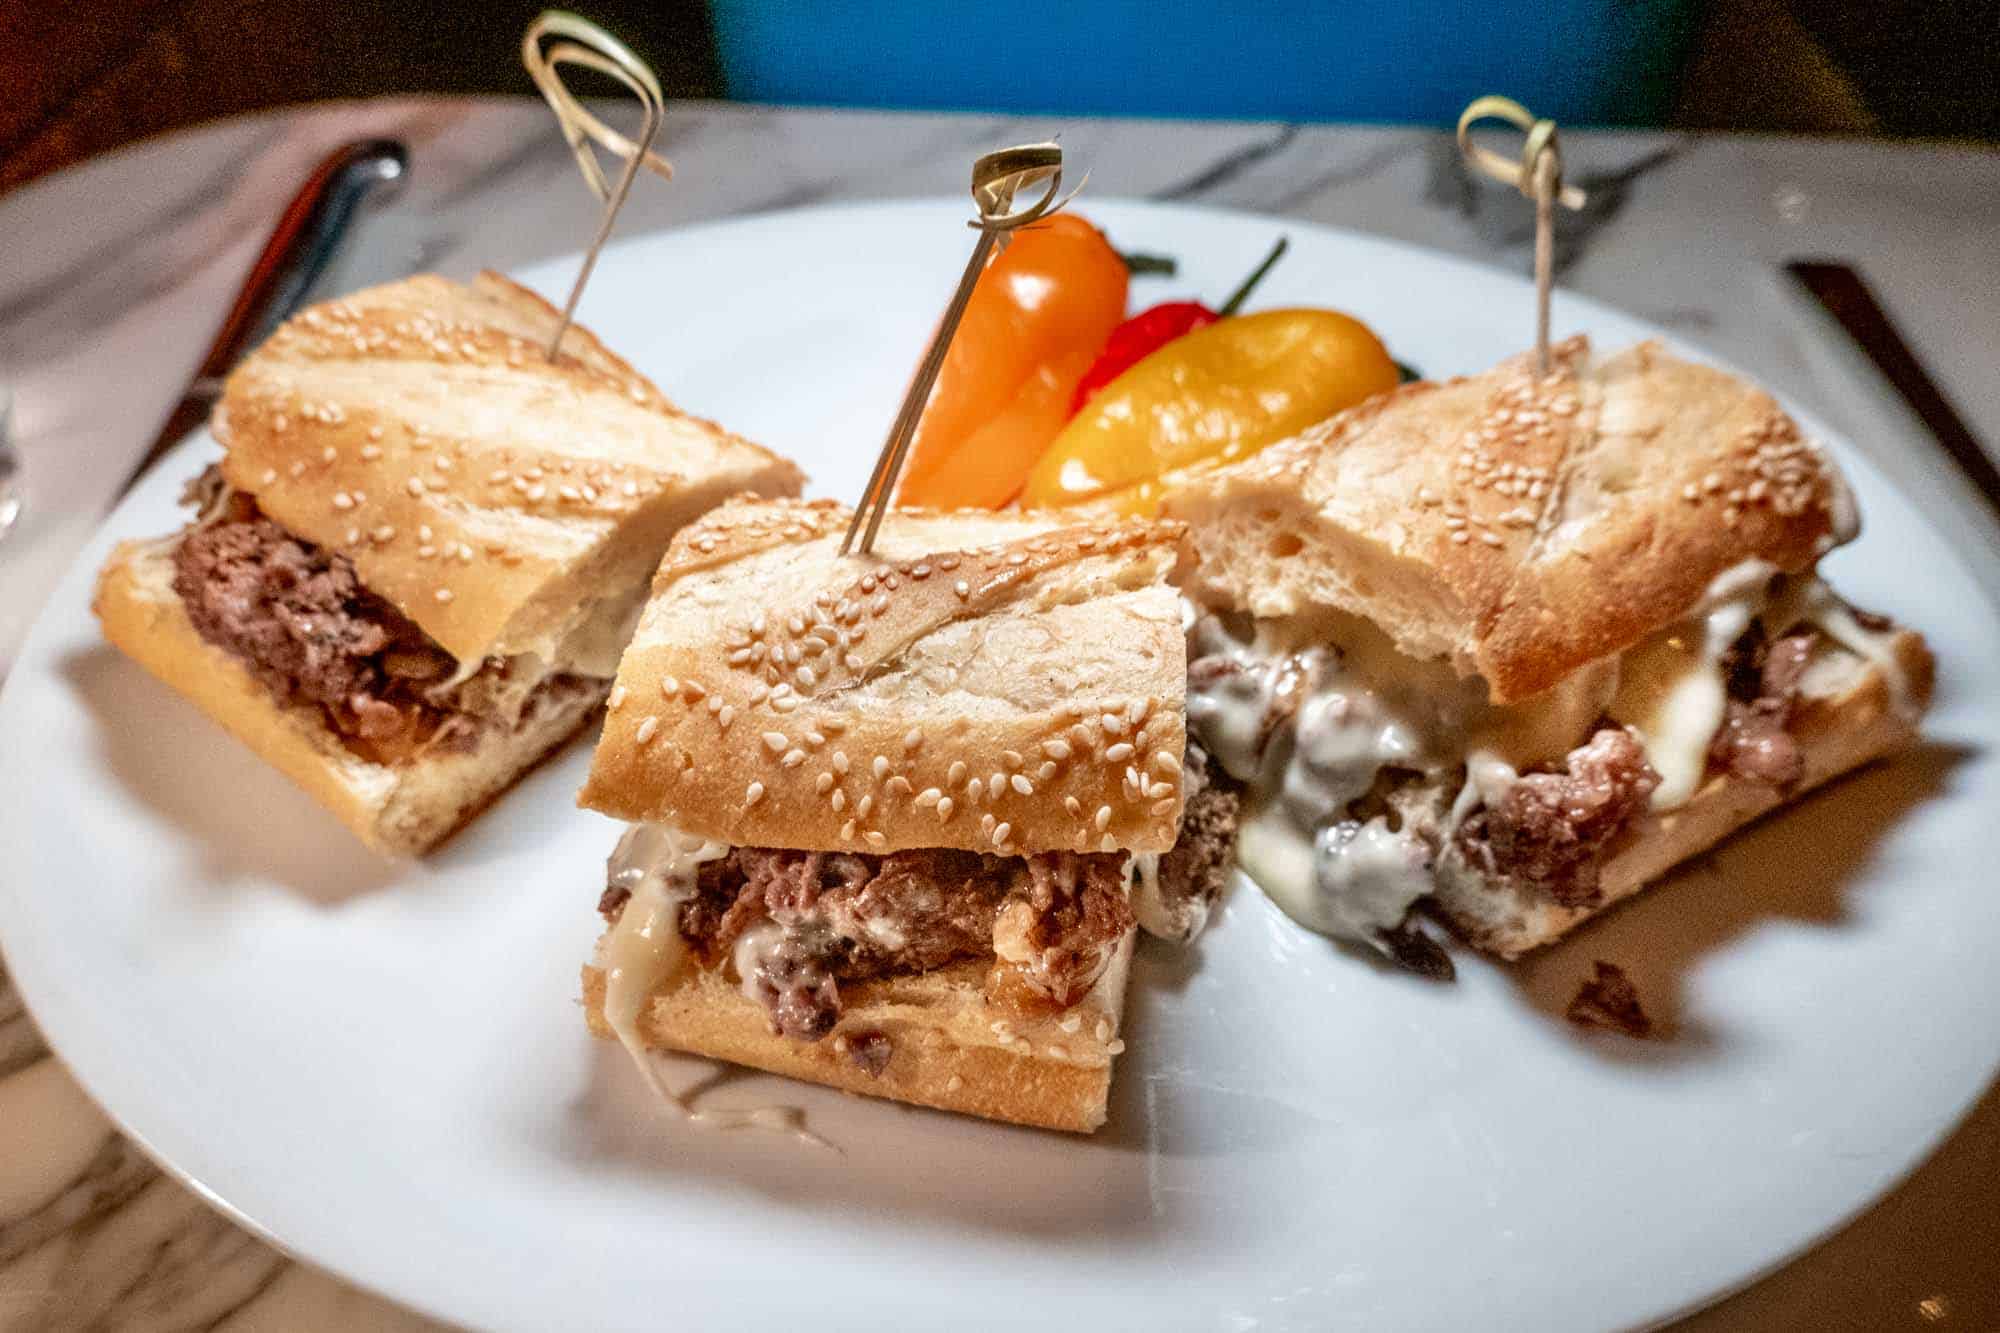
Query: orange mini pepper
[1036, 320]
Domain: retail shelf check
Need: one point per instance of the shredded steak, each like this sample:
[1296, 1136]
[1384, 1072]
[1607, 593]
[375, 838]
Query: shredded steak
[1551, 830]
[299, 618]
[1191, 876]
[1608, 999]
[1753, 742]
[834, 916]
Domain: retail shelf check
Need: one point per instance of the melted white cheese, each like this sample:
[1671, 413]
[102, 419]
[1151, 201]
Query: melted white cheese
[1671, 689]
[657, 864]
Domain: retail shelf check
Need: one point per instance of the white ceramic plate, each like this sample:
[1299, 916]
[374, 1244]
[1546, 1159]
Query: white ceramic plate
[384, 1068]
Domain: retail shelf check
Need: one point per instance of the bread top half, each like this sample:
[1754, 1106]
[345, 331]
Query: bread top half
[493, 496]
[988, 682]
[1519, 525]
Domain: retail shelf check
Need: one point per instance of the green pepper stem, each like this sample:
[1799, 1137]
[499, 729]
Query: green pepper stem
[1140, 264]
[1242, 294]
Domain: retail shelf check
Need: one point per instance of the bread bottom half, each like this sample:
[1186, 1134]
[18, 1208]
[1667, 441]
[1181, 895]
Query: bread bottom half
[1844, 718]
[950, 1048]
[402, 809]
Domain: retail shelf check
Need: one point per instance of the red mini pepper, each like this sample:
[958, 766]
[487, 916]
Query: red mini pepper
[1156, 326]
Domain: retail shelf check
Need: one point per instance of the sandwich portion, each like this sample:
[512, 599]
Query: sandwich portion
[411, 573]
[1512, 646]
[887, 811]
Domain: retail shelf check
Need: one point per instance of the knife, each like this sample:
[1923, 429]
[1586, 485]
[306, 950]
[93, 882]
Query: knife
[1842, 293]
[308, 234]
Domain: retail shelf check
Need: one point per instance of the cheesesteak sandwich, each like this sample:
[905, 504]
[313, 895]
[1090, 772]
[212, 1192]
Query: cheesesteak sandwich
[886, 810]
[1517, 644]
[412, 572]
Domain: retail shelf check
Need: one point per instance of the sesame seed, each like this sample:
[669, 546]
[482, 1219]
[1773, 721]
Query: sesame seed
[726, 716]
[839, 801]
[974, 790]
[995, 785]
[793, 758]
[865, 806]
[853, 661]
[1119, 752]
[616, 697]
[775, 741]
[1056, 749]
[342, 500]
[954, 1083]
[1108, 843]
[1000, 832]
[1460, 537]
[537, 491]
[374, 432]
[875, 839]
[1103, 819]
[1166, 761]
[1045, 772]
[1165, 807]
[753, 794]
[847, 831]
[1011, 758]
[426, 552]
[912, 739]
[693, 690]
[840, 762]
[1022, 785]
[1159, 789]
[956, 774]
[963, 589]
[715, 704]
[880, 768]
[945, 806]
[443, 594]
[647, 727]
[415, 486]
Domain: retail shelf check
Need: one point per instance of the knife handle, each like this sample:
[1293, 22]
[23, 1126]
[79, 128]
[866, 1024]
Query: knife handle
[304, 242]
[1846, 296]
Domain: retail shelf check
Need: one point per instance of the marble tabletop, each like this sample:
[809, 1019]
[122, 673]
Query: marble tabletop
[115, 274]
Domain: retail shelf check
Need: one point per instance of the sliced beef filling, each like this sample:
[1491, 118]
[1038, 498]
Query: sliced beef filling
[1551, 831]
[810, 920]
[1190, 878]
[1753, 742]
[299, 618]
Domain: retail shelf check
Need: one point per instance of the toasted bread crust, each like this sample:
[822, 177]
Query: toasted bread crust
[419, 430]
[1835, 732]
[944, 1051]
[400, 810]
[994, 683]
[1519, 525]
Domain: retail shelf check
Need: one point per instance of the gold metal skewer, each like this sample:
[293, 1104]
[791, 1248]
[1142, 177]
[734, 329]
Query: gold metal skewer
[996, 178]
[581, 42]
[1538, 175]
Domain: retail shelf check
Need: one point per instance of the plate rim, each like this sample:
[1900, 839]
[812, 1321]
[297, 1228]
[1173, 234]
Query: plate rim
[34, 986]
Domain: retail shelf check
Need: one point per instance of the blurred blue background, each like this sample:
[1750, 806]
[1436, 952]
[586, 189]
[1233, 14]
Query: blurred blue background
[1580, 61]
